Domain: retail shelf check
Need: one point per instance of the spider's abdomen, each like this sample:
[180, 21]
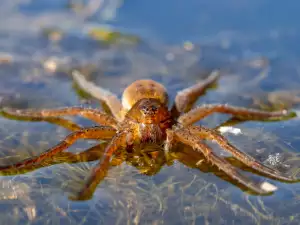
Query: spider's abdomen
[142, 89]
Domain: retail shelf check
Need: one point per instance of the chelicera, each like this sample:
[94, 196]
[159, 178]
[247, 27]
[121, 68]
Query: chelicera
[143, 116]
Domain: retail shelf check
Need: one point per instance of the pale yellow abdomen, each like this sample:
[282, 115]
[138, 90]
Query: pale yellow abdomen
[141, 89]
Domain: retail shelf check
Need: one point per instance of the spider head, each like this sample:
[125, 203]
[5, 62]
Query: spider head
[149, 111]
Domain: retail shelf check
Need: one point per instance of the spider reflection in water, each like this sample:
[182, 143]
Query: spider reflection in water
[143, 117]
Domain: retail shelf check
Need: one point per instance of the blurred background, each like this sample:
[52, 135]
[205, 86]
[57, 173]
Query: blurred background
[255, 45]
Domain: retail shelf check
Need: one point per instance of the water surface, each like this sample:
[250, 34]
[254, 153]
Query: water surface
[179, 42]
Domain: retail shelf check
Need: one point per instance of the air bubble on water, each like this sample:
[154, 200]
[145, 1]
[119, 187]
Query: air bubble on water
[231, 130]
[266, 186]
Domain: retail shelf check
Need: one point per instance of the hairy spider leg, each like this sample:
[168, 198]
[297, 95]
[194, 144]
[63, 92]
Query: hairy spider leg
[248, 160]
[99, 172]
[67, 124]
[184, 135]
[44, 114]
[91, 154]
[110, 99]
[86, 133]
[187, 97]
[202, 111]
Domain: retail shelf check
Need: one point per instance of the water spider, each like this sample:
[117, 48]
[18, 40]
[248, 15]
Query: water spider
[143, 116]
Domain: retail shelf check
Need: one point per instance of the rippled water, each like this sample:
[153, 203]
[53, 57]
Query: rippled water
[254, 43]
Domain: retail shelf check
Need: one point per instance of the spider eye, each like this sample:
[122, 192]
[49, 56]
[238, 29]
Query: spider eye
[149, 110]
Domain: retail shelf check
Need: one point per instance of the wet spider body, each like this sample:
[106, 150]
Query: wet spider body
[149, 119]
[142, 117]
[146, 102]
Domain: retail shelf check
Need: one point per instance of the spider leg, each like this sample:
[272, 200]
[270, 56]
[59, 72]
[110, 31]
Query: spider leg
[90, 154]
[110, 99]
[99, 172]
[187, 97]
[185, 136]
[50, 115]
[238, 112]
[229, 123]
[54, 120]
[248, 160]
[195, 159]
[86, 133]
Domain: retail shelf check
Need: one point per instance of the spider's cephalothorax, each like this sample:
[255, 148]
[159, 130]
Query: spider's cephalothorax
[142, 117]
[146, 102]
[151, 119]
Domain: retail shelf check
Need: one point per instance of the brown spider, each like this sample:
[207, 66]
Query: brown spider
[144, 117]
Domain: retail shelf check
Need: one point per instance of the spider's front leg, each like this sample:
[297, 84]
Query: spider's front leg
[50, 115]
[121, 140]
[187, 137]
[86, 133]
[248, 160]
[237, 112]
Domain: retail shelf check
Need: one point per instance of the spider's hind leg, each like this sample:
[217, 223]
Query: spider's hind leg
[110, 99]
[187, 97]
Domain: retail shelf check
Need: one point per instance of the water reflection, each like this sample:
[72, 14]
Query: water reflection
[148, 159]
